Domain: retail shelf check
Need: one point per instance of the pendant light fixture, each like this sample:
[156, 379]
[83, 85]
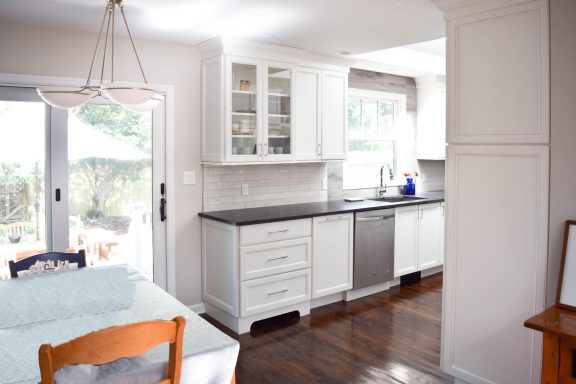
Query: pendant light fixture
[136, 97]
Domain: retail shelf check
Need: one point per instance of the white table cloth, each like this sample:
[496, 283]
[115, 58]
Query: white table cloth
[209, 356]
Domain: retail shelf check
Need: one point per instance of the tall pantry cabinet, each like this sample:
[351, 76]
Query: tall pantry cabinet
[497, 174]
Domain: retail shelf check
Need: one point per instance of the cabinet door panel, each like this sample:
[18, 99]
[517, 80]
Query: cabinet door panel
[243, 109]
[307, 115]
[332, 238]
[406, 241]
[278, 130]
[334, 115]
[212, 106]
[495, 269]
[429, 236]
[499, 76]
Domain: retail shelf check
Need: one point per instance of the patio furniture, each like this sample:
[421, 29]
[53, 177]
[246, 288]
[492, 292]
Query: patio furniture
[25, 264]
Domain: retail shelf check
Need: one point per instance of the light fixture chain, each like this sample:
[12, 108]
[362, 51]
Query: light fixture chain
[112, 61]
[132, 41]
[105, 47]
[96, 49]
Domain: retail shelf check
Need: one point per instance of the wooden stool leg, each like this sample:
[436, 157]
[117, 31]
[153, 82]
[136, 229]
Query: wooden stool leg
[550, 359]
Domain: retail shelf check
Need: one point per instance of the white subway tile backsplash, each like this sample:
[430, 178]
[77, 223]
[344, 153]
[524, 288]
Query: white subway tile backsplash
[269, 184]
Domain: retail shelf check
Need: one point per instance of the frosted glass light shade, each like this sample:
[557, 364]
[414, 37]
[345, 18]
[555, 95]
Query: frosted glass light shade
[127, 94]
[147, 106]
[61, 97]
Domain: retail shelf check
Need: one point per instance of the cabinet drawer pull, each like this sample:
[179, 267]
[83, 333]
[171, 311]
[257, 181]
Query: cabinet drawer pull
[277, 258]
[277, 292]
[279, 231]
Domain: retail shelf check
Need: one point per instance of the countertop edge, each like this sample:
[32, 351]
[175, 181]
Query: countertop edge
[240, 223]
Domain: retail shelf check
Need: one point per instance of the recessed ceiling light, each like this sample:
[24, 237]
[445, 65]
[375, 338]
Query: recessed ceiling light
[345, 53]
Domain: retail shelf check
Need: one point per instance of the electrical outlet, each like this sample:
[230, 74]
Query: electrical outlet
[189, 178]
[324, 183]
[245, 190]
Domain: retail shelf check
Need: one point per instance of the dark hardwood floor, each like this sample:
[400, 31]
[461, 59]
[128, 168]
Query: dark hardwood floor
[389, 337]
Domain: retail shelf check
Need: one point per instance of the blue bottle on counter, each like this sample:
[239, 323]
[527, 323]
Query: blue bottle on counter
[409, 188]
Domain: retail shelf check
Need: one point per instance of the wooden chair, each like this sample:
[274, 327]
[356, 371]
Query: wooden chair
[25, 264]
[110, 344]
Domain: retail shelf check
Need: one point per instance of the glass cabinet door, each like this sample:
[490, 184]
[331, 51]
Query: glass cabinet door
[279, 111]
[244, 109]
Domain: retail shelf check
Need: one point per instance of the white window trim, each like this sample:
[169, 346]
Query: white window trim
[400, 119]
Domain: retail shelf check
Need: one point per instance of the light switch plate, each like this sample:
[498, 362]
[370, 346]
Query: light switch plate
[324, 183]
[245, 190]
[189, 178]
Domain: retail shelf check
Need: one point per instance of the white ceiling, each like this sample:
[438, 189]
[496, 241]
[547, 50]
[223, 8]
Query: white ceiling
[323, 26]
[421, 59]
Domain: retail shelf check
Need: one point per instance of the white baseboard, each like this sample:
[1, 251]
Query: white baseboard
[367, 291]
[321, 301]
[198, 308]
[431, 271]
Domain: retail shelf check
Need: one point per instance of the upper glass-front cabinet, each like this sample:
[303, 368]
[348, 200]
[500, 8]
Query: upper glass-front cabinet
[244, 110]
[261, 110]
[279, 111]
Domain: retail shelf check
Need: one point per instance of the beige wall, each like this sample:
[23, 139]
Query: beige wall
[563, 132]
[50, 52]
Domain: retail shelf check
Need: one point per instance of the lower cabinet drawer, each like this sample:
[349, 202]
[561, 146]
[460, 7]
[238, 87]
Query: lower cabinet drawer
[273, 258]
[268, 293]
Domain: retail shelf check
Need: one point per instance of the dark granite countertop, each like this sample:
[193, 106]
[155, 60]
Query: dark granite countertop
[261, 215]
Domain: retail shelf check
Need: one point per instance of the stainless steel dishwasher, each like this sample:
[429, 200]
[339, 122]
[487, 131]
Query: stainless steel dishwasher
[373, 247]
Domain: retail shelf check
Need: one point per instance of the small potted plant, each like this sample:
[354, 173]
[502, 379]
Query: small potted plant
[409, 188]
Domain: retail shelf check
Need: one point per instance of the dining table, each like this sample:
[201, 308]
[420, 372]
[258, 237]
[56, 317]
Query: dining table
[56, 307]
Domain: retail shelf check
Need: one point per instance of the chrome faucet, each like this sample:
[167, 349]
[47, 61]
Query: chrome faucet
[382, 189]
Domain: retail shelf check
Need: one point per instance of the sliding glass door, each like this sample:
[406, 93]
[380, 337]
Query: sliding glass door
[23, 215]
[99, 190]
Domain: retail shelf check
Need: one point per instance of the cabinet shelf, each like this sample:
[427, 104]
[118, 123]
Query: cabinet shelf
[277, 115]
[278, 136]
[234, 135]
[278, 94]
[243, 92]
[244, 113]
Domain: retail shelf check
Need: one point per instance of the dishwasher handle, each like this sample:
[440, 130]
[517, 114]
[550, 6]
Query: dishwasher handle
[373, 218]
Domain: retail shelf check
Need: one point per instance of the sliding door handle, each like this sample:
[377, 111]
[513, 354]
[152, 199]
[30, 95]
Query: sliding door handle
[162, 202]
[162, 209]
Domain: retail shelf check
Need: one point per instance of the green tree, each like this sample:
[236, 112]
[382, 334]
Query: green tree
[102, 186]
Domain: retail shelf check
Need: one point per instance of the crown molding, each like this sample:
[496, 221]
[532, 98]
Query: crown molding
[267, 51]
[454, 9]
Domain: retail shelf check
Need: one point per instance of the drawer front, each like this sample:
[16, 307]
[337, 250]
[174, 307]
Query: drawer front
[273, 292]
[273, 258]
[278, 230]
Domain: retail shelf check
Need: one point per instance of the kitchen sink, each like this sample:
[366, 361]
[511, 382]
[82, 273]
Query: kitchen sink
[396, 199]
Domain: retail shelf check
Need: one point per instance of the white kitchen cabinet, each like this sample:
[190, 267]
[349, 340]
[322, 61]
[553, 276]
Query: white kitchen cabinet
[499, 76]
[498, 135]
[418, 238]
[253, 272]
[308, 114]
[262, 104]
[249, 117]
[430, 236]
[334, 115]
[406, 240]
[332, 255]
[431, 118]
[320, 115]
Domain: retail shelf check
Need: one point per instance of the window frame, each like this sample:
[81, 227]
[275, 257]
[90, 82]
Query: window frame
[399, 124]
